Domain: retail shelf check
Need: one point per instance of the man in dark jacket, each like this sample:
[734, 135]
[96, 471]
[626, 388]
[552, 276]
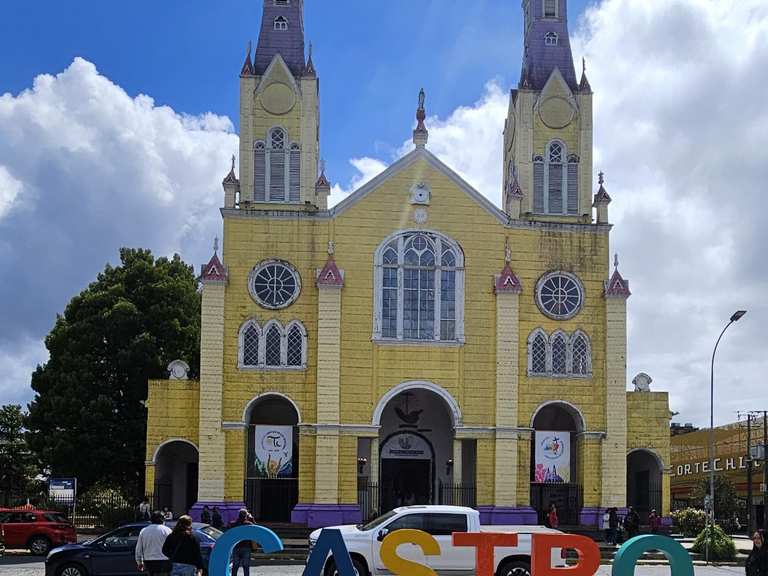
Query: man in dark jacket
[241, 556]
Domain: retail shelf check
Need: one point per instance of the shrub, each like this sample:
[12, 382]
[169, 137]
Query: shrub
[690, 521]
[721, 546]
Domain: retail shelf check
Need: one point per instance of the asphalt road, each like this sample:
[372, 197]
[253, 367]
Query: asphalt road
[26, 566]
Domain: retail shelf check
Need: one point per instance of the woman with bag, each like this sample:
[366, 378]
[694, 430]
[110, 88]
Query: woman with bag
[757, 562]
[183, 549]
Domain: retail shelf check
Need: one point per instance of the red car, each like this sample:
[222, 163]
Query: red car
[37, 530]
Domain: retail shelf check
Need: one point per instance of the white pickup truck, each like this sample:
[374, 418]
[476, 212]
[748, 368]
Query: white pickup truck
[364, 542]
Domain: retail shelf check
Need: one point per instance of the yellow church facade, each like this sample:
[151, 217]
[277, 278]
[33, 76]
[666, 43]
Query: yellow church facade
[414, 343]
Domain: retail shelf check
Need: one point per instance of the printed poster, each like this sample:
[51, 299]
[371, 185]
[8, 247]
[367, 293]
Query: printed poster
[274, 451]
[553, 457]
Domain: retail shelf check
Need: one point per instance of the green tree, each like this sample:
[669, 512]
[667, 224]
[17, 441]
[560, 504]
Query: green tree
[88, 418]
[17, 468]
[727, 503]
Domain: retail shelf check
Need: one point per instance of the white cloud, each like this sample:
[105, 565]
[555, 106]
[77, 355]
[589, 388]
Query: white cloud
[681, 130]
[367, 169]
[85, 169]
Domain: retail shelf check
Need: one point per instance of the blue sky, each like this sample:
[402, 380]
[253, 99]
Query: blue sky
[78, 147]
[372, 57]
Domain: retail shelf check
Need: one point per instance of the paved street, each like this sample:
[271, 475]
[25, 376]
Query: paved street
[24, 566]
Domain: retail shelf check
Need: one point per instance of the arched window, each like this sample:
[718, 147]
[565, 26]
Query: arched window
[555, 162]
[538, 184]
[551, 39]
[295, 345]
[250, 336]
[273, 340]
[276, 161]
[573, 184]
[581, 355]
[419, 288]
[281, 23]
[259, 171]
[294, 173]
[559, 354]
[556, 181]
[537, 352]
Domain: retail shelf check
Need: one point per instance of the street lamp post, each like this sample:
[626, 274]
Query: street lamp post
[711, 456]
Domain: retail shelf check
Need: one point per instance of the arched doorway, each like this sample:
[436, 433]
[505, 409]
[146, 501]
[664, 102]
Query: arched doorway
[644, 482]
[272, 458]
[555, 460]
[176, 467]
[415, 445]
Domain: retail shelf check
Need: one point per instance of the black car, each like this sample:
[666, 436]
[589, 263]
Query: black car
[113, 553]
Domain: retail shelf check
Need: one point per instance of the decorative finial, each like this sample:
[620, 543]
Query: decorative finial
[583, 65]
[421, 135]
[322, 166]
[601, 178]
[331, 248]
[507, 252]
[233, 162]
[616, 261]
[216, 245]
[310, 50]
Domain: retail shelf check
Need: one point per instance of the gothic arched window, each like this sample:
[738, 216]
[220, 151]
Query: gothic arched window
[281, 23]
[537, 352]
[556, 181]
[250, 336]
[273, 343]
[559, 354]
[259, 171]
[273, 347]
[276, 162]
[294, 173]
[551, 39]
[277, 169]
[419, 288]
[555, 163]
[581, 355]
[295, 345]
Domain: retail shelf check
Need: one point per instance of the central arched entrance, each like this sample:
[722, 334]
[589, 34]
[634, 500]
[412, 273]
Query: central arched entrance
[415, 445]
[554, 461]
[272, 458]
[644, 482]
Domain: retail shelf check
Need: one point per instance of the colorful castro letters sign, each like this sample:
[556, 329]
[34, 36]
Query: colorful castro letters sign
[274, 451]
[553, 457]
[331, 542]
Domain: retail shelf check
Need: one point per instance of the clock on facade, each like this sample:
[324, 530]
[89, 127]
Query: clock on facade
[559, 295]
[274, 284]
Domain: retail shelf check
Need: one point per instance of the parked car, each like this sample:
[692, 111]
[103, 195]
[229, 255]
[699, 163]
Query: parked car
[364, 542]
[37, 530]
[113, 553]
[2, 541]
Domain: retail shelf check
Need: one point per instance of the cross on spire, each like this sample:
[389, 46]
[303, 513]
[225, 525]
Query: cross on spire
[216, 245]
[421, 134]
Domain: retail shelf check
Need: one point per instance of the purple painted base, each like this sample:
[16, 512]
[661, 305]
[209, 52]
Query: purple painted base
[324, 515]
[591, 516]
[666, 521]
[507, 515]
[228, 510]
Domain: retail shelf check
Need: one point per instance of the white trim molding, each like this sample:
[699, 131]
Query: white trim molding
[578, 417]
[254, 402]
[450, 401]
[164, 443]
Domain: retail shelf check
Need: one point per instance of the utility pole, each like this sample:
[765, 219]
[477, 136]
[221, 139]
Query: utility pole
[750, 512]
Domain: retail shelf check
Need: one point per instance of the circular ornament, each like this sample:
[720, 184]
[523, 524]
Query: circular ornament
[559, 295]
[278, 98]
[274, 284]
[557, 112]
[420, 215]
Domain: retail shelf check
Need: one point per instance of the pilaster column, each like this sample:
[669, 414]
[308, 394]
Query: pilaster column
[614, 448]
[330, 281]
[458, 461]
[508, 290]
[211, 442]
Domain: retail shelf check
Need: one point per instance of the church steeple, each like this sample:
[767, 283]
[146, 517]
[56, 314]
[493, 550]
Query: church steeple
[282, 32]
[547, 44]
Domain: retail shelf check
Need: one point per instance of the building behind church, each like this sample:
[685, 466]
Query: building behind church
[414, 343]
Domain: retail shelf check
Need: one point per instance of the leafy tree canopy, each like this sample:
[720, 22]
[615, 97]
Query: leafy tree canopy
[16, 466]
[88, 419]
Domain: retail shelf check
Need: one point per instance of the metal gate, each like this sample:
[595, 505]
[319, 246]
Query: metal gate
[271, 499]
[566, 497]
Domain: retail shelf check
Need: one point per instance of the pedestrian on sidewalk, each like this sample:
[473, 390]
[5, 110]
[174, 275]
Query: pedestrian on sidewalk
[149, 547]
[632, 523]
[613, 525]
[241, 555]
[205, 515]
[654, 522]
[216, 520]
[757, 561]
[552, 520]
[144, 510]
[183, 549]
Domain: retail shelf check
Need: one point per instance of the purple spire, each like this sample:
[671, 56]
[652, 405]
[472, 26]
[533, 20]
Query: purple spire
[282, 32]
[547, 44]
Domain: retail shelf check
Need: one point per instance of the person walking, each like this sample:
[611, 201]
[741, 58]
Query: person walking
[205, 515]
[757, 561]
[654, 522]
[167, 514]
[216, 520]
[613, 526]
[552, 520]
[183, 549]
[149, 547]
[144, 510]
[241, 555]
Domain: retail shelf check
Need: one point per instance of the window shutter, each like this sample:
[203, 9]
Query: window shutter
[259, 174]
[555, 189]
[538, 187]
[573, 188]
[294, 192]
[277, 176]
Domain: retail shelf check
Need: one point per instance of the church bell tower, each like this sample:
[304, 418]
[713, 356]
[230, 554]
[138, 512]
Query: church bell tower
[279, 117]
[548, 131]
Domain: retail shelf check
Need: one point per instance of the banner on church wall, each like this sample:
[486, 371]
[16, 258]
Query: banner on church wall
[553, 457]
[274, 451]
